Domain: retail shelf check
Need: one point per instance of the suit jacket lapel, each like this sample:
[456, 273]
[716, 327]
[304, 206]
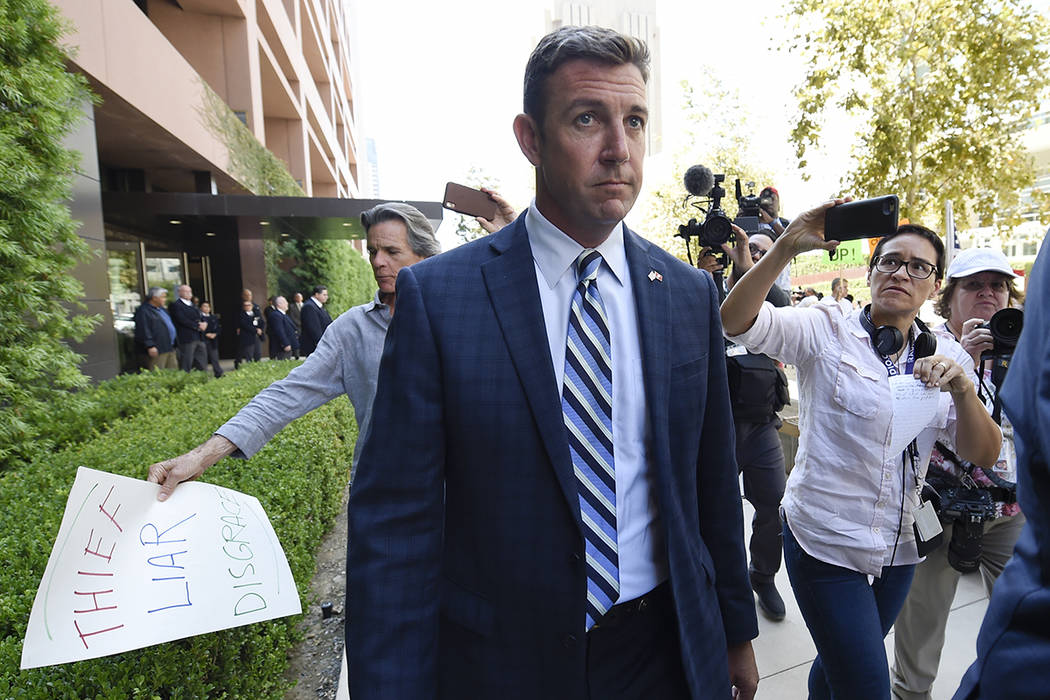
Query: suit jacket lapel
[511, 281]
[652, 297]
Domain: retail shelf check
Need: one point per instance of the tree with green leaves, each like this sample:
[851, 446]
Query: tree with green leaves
[718, 138]
[40, 103]
[943, 88]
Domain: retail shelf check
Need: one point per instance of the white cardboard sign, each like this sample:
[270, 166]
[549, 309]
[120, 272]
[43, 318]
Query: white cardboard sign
[128, 571]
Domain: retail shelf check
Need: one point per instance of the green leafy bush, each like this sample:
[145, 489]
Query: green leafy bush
[39, 104]
[76, 416]
[298, 478]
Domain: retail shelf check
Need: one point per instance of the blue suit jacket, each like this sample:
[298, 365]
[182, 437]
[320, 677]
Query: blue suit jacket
[1013, 647]
[465, 576]
[282, 331]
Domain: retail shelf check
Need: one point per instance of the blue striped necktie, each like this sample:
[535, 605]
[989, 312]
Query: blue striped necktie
[587, 407]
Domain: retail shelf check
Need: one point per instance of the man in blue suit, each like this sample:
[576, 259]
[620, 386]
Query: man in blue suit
[1013, 647]
[315, 320]
[531, 519]
[282, 331]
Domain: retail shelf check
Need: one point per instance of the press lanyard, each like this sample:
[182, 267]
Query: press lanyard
[909, 364]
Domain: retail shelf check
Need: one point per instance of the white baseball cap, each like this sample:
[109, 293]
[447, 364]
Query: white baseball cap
[974, 260]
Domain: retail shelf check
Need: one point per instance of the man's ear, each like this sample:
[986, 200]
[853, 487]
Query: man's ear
[528, 134]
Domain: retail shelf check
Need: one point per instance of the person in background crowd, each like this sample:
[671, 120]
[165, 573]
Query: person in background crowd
[809, 298]
[315, 319]
[249, 333]
[260, 323]
[758, 390]
[1013, 646]
[980, 283]
[189, 328]
[346, 360]
[769, 216]
[839, 289]
[282, 331]
[273, 346]
[212, 330]
[854, 493]
[154, 332]
[295, 313]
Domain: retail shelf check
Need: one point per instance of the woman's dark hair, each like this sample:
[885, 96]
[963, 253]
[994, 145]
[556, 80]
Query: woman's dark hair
[914, 230]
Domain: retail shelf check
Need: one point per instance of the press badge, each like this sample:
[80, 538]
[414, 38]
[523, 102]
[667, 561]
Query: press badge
[735, 350]
[927, 524]
[1006, 466]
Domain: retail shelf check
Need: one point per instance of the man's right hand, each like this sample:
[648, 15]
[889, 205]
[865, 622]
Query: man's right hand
[172, 472]
[152, 352]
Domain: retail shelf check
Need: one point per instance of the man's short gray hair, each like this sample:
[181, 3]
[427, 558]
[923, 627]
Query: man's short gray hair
[570, 43]
[421, 236]
[155, 292]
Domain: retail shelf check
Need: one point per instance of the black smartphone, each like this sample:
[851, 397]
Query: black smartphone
[467, 200]
[865, 218]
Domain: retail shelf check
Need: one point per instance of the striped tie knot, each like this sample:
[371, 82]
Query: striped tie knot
[587, 265]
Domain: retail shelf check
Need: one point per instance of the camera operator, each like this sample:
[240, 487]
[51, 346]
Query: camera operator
[852, 499]
[769, 216]
[980, 283]
[758, 389]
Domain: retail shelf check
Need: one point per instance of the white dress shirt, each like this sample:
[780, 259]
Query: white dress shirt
[843, 498]
[640, 542]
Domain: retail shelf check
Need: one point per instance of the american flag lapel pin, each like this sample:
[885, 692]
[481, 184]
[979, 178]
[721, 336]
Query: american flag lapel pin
[655, 276]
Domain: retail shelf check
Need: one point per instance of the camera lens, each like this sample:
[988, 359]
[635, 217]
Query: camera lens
[716, 231]
[964, 549]
[1005, 326]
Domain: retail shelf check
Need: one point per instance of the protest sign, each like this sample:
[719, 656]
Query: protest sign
[128, 571]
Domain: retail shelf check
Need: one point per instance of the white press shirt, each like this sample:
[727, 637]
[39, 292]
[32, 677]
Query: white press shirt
[843, 498]
[639, 536]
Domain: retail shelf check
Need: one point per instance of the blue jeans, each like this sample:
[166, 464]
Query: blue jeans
[848, 619]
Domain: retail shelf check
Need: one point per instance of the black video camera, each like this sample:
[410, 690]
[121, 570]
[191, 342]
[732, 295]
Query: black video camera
[749, 207]
[716, 228]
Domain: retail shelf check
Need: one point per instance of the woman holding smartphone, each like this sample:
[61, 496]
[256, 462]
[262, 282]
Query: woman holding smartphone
[853, 495]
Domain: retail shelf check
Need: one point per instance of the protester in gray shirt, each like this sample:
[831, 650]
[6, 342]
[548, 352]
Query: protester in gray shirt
[346, 360]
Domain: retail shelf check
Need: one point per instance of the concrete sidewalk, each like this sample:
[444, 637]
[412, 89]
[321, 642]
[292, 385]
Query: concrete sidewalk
[785, 651]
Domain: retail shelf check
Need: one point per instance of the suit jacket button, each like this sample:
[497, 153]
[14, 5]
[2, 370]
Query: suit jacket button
[575, 557]
[569, 640]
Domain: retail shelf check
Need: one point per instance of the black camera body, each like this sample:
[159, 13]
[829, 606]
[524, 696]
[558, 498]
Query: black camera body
[749, 207]
[1005, 325]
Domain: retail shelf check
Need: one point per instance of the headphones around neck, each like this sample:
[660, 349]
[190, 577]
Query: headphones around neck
[888, 340]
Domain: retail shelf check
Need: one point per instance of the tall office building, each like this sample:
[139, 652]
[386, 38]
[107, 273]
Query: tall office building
[189, 91]
[635, 18]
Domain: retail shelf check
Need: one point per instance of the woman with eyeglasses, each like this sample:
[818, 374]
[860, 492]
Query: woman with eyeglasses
[852, 497]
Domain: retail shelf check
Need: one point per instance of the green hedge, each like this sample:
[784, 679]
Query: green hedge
[298, 478]
[76, 416]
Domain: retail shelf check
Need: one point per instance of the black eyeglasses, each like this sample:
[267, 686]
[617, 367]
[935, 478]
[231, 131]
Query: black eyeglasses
[755, 250]
[917, 269]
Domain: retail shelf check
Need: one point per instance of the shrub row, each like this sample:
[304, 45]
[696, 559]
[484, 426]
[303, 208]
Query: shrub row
[298, 478]
[77, 416]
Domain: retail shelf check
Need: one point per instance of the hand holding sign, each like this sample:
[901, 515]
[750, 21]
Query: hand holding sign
[128, 571]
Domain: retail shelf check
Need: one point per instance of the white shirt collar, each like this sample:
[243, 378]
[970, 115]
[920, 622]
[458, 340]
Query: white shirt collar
[554, 252]
[319, 304]
[187, 302]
